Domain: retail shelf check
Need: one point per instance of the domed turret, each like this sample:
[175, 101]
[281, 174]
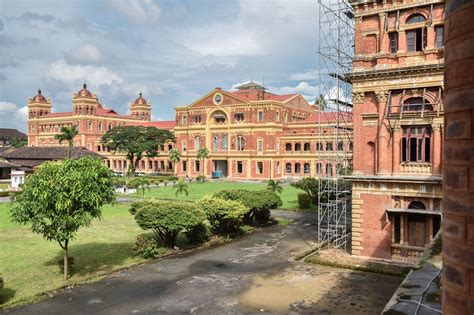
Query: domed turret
[39, 98]
[38, 105]
[84, 92]
[141, 109]
[84, 102]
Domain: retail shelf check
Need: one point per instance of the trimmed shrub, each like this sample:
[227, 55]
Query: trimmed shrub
[199, 234]
[259, 203]
[167, 219]
[146, 248]
[200, 178]
[304, 201]
[223, 215]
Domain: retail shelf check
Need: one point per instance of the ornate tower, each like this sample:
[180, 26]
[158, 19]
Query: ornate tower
[141, 109]
[38, 106]
[84, 102]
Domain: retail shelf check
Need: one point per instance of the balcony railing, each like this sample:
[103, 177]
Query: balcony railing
[419, 168]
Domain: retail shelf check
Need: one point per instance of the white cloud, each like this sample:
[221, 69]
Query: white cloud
[12, 116]
[85, 54]
[138, 11]
[75, 74]
[302, 87]
[309, 75]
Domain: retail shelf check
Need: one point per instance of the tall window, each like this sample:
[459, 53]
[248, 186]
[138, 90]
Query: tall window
[197, 143]
[239, 116]
[329, 169]
[184, 120]
[215, 143]
[393, 36]
[319, 146]
[288, 147]
[416, 39]
[260, 145]
[328, 146]
[184, 145]
[439, 31]
[225, 142]
[259, 167]
[240, 167]
[197, 166]
[319, 168]
[340, 146]
[306, 168]
[307, 147]
[277, 116]
[184, 165]
[288, 168]
[278, 167]
[197, 119]
[240, 143]
[297, 168]
[297, 147]
[89, 126]
[260, 115]
[416, 144]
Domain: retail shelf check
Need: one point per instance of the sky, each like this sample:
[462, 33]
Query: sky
[174, 52]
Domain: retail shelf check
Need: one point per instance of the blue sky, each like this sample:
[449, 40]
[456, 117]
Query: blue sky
[172, 51]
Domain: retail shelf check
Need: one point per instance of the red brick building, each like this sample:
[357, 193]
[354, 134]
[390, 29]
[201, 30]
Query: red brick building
[254, 134]
[398, 127]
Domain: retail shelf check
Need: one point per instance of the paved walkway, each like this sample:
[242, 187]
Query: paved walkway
[252, 275]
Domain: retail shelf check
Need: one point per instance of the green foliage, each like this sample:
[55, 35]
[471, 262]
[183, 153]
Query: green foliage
[61, 197]
[199, 234]
[167, 219]
[274, 186]
[141, 184]
[1, 281]
[67, 134]
[18, 142]
[202, 154]
[147, 248]
[259, 202]
[304, 200]
[224, 215]
[181, 187]
[345, 171]
[310, 185]
[200, 178]
[136, 142]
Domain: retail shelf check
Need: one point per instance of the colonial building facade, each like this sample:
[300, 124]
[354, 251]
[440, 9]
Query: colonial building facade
[398, 127]
[250, 133]
[254, 134]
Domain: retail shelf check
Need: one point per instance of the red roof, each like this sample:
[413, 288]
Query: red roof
[103, 111]
[257, 95]
[163, 124]
[61, 114]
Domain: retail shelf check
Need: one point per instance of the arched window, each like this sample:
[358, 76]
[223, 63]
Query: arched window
[340, 146]
[306, 168]
[297, 168]
[219, 117]
[416, 18]
[170, 146]
[416, 104]
[307, 146]
[329, 169]
[319, 168]
[417, 205]
[319, 146]
[288, 147]
[351, 146]
[288, 168]
[297, 146]
[328, 146]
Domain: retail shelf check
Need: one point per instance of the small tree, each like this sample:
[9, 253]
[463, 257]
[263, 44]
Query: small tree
[167, 219]
[136, 142]
[203, 153]
[18, 142]
[67, 134]
[181, 187]
[274, 186]
[174, 156]
[61, 197]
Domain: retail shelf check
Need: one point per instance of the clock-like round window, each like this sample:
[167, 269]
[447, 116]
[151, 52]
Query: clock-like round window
[217, 98]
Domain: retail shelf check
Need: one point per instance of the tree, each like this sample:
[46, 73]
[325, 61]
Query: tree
[61, 197]
[181, 187]
[167, 219]
[174, 156]
[67, 134]
[274, 186]
[203, 153]
[18, 142]
[136, 142]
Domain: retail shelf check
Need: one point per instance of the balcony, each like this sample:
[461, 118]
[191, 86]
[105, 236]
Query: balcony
[418, 168]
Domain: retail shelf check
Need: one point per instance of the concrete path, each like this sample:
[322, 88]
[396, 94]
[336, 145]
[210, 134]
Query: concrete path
[255, 274]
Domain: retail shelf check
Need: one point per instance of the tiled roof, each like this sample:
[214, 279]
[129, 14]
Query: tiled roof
[46, 153]
[6, 164]
[61, 114]
[8, 133]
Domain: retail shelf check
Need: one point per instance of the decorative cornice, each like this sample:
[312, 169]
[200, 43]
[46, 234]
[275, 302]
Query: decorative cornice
[358, 97]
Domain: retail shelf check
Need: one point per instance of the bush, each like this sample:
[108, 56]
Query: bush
[146, 248]
[199, 234]
[200, 178]
[258, 203]
[223, 215]
[304, 201]
[167, 219]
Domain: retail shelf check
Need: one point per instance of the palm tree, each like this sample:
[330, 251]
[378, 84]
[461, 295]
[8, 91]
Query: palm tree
[141, 184]
[203, 153]
[174, 156]
[18, 143]
[181, 187]
[274, 186]
[67, 134]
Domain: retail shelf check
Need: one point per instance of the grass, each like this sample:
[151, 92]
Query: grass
[289, 195]
[28, 262]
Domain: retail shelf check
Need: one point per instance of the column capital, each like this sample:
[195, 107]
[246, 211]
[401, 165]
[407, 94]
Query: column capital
[437, 127]
[358, 19]
[381, 95]
[358, 97]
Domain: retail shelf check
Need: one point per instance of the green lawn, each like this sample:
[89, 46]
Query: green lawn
[29, 263]
[289, 195]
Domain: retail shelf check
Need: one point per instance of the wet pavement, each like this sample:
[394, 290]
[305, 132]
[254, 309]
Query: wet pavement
[255, 274]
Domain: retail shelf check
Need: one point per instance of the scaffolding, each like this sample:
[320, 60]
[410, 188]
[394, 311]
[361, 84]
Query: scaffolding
[335, 51]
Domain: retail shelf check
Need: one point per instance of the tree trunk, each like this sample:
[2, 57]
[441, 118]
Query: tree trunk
[66, 269]
[69, 151]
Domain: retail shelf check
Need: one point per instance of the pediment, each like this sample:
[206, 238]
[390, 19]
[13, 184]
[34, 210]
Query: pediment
[217, 97]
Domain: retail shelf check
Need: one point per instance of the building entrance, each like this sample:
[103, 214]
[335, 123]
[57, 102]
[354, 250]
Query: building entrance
[220, 168]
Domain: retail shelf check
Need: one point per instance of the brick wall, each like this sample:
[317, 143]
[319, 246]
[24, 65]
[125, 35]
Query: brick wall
[458, 197]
